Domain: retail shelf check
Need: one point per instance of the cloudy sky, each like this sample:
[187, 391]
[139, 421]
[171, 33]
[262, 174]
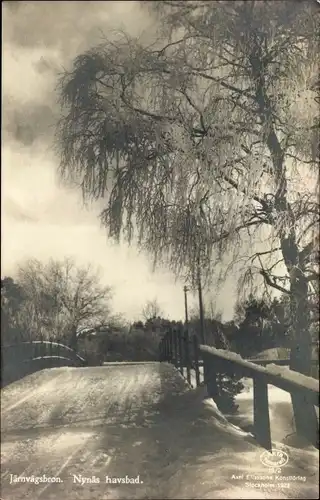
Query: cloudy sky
[40, 218]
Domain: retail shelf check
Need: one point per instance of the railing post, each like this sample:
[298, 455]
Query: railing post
[205, 371]
[187, 355]
[35, 350]
[196, 359]
[50, 352]
[166, 351]
[180, 351]
[175, 342]
[160, 350]
[210, 378]
[170, 345]
[261, 412]
[167, 346]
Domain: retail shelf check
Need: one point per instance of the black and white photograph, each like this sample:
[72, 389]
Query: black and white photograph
[160, 222]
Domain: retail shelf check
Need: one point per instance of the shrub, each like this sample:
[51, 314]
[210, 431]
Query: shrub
[135, 345]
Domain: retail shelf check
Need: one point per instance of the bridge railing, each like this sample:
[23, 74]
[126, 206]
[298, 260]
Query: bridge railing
[210, 363]
[23, 358]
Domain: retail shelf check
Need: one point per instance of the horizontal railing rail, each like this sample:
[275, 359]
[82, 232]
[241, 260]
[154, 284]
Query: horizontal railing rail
[185, 353]
[46, 346]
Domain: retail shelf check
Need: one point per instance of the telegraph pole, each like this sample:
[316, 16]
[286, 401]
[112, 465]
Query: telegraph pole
[186, 289]
[201, 313]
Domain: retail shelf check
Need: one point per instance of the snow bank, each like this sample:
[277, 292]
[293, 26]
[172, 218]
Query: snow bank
[224, 354]
[292, 376]
[280, 411]
[279, 371]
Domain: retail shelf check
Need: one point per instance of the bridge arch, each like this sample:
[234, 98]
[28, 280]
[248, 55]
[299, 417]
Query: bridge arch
[23, 358]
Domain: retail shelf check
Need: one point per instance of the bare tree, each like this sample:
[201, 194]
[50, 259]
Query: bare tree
[13, 326]
[62, 297]
[151, 310]
[206, 142]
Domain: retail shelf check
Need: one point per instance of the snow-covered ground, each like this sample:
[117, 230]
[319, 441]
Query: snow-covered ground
[280, 406]
[140, 420]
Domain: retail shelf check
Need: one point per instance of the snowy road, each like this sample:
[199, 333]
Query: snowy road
[127, 431]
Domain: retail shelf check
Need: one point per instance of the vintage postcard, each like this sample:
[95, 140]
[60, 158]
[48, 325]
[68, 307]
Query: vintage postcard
[160, 250]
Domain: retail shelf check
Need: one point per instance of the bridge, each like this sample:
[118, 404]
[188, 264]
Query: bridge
[23, 358]
[128, 430]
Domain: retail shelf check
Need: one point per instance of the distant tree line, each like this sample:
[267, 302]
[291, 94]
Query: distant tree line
[257, 325]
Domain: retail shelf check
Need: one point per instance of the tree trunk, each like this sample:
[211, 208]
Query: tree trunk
[301, 339]
[301, 355]
[301, 347]
[285, 220]
[300, 334]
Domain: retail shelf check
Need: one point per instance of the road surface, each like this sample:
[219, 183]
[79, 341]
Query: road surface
[122, 431]
[82, 424]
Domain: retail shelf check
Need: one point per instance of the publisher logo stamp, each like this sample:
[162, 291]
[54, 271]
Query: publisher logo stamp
[274, 459]
[273, 479]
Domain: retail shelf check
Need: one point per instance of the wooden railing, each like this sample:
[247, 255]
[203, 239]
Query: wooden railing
[187, 355]
[24, 358]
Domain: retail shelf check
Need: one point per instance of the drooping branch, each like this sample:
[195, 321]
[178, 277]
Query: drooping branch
[263, 202]
[272, 283]
[193, 143]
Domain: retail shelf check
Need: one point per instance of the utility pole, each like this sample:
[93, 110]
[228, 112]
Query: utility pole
[201, 313]
[186, 289]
